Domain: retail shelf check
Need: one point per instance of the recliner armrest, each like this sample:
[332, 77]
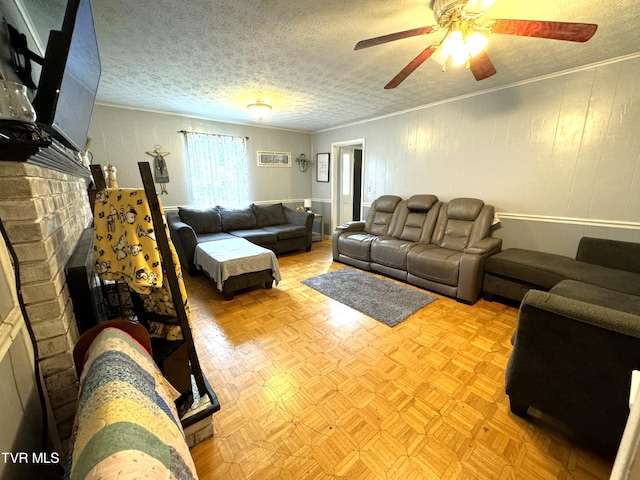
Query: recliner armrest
[354, 226]
[472, 263]
[487, 245]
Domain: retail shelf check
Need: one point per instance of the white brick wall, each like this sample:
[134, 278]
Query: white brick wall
[44, 213]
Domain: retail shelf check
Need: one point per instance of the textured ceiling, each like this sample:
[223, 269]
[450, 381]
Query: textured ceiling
[209, 58]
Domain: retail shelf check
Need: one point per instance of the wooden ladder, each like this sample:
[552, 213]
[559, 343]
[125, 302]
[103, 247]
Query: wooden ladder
[169, 266]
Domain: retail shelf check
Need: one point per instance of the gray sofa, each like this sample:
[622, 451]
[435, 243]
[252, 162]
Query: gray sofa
[276, 227]
[576, 345]
[607, 263]
[438, 246]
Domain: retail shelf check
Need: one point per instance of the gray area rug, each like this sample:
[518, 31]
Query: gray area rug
[381, 299]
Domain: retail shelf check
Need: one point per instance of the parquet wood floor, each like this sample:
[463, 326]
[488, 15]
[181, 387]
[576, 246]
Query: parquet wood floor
[311, 389]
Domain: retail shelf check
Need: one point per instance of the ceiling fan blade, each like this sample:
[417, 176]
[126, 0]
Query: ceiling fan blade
[413, 64]
[395, 36]
[572, 32]
[481, 66]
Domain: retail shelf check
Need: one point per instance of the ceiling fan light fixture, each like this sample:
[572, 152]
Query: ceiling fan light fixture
[438, 56]
[466, 39]
[259, 109]
[458, 54]
[479, 5]
[475, 43]
[458, 48]
[452, 50]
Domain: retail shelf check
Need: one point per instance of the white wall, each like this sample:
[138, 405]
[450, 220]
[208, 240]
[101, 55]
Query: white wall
[562, 147]
[121, 137]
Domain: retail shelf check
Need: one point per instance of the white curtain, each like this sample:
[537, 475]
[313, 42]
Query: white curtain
[218, 170]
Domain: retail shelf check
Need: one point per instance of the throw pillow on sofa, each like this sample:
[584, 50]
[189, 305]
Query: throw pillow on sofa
[202, 220]
[240, 219]
[269, 215]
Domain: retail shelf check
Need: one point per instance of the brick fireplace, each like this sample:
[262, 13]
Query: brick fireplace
[44, 212]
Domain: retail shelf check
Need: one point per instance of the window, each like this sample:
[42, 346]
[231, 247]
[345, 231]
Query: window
[218, 170]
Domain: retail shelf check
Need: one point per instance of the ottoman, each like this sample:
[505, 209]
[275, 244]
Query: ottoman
[513, 272]
[235, 264]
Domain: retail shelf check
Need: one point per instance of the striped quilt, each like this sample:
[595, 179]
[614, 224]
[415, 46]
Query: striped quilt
[126, 424]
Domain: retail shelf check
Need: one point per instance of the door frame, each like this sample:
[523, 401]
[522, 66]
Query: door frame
[335, 172]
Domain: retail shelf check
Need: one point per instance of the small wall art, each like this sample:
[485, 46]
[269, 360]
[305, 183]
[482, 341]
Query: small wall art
[274, 159]
[322, 167]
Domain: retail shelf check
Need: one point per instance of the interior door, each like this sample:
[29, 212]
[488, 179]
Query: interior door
[357, 183]
[346, 185]
[347, 177]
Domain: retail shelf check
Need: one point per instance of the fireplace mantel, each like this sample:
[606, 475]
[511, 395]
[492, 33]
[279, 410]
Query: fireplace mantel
[24, 142]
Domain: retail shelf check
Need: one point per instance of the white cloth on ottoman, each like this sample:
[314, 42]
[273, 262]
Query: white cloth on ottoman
[230, 257]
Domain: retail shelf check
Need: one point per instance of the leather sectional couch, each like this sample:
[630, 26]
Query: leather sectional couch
[276, 227]
[439, 246]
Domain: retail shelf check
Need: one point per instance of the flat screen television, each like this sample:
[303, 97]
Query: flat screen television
[70, 75]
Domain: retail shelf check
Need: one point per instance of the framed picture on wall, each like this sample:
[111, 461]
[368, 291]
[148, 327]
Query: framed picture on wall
[322, 167]
[274, 159]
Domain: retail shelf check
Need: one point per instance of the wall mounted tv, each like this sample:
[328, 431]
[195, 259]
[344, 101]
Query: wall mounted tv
[70, 75]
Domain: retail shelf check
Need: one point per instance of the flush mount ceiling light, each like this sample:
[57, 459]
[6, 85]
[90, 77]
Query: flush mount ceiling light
[259, 109]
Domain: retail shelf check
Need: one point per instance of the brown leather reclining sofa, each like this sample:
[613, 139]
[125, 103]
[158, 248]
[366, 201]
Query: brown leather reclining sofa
[438, 246]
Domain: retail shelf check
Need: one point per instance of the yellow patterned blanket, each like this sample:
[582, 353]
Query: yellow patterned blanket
[125, 249]
[126, 424]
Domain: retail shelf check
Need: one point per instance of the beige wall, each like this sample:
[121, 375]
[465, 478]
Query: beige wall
[122, 136]
[563, 147]
[558, 157]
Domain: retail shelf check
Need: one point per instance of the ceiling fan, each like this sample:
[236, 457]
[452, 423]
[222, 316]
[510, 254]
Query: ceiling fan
[466, 39]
